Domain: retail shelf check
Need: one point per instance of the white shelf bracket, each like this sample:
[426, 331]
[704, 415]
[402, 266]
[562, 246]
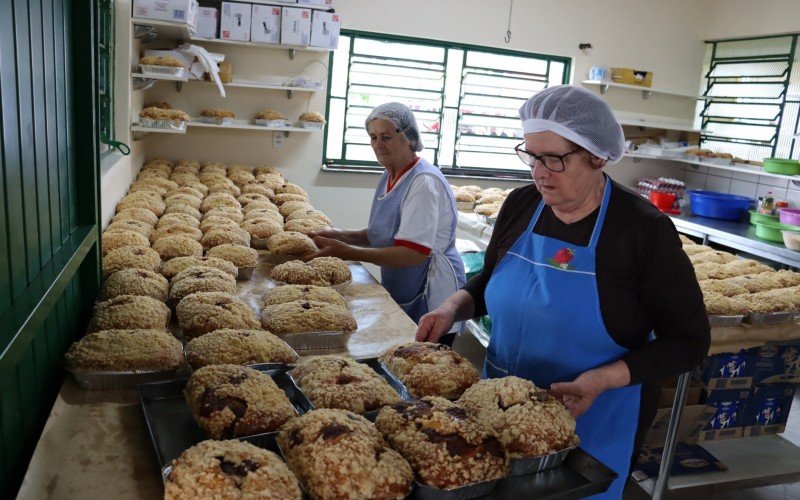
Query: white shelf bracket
[795, 183]
[604, 88]
[646, 94]
[636, 160]
[144, 33]
[179, 86]
[143, 83]
[289, 93]
[278, 137]
[292, 53]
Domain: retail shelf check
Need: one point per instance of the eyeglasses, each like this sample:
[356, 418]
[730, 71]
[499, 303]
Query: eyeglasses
[553, 163]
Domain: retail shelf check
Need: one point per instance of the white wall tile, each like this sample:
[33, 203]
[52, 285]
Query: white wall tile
[777, 193]
[744, 188]
[773, 181]
[694, 180]
[719, 172]
[745, 177]
[793, 197]
[696, 168]
[718, 184]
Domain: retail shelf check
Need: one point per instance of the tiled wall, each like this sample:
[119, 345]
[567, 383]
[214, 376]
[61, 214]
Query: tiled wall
[743, 184]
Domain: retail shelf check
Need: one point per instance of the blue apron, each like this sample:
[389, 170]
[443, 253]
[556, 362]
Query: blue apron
[417, 289]
[547, 327]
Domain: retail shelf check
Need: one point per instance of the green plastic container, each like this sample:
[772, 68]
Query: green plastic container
[781, 166]
[756, 218]
[771, 231]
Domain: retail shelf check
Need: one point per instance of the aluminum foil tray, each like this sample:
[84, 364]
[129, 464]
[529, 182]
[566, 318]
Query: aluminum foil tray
[171, 424]
[777, 318]
[725, 321]
[476, 490]
[522, 466]
[317, 340]
[109, 380]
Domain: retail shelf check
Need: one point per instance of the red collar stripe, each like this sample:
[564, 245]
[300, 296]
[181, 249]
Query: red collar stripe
[391, 182]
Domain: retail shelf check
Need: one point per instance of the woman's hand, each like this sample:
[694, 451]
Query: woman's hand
[329, 247]
[435, 324]
[333, 233]
[579, 394]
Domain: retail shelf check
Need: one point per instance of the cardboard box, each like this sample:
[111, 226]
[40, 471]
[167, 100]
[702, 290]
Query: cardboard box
[325, 28]
[693, 420]
[725, 371]
[266, 24]
[775, 364]
[179, 11]
[630, 76]
[768, 410]
[329, 3]
[207, 22]
[295, 26]
[729, 409]
[234, 21]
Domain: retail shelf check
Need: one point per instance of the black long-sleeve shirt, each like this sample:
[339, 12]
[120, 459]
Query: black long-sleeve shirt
[645, 282]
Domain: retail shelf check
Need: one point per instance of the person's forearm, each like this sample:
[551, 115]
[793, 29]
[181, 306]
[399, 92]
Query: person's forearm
[355, 237]
[461, 304]
[614, 375]
[387, 256]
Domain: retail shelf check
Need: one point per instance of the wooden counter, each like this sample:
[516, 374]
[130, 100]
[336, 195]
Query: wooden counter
[95, 445]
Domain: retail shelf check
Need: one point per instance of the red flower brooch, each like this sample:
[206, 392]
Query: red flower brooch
[562, 258]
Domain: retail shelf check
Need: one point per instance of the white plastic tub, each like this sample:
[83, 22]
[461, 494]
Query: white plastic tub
[791, 239]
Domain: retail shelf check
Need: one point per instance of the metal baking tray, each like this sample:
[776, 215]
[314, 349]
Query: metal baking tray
[776, 318]
[529, 465]
[475, 490]
[317, 340]
[380, 370]
[716, 321]
[245, 273]
[111, 380]
[171, 424]
[396, 382]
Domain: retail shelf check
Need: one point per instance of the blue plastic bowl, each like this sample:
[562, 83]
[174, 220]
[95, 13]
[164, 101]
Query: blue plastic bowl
[719, 205]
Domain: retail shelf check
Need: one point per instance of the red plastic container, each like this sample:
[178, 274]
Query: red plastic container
[662, 201]
[790, 216]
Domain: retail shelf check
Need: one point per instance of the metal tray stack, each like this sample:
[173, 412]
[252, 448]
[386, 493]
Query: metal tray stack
[725, 321]
[776, 318]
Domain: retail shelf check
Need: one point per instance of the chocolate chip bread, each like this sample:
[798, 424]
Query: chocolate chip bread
[338, 454]
[333, 269]
[170, 247]
[527, 421]
[429, 369]
[307, 316]
[200, 279]
[231, 401]
[204, 312]
[129, 312]
[113, 240]
[240, 255]
[238, 347]
[172, 267]
[131, 258]
[125, 350]
[135, 282]
[230, 469]
[296, 272]
[289, 293]
[291, 243]
[444, 445]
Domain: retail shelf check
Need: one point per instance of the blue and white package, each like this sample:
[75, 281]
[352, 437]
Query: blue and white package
[729, 406]
[768, 409]
[776, 364]
[726, 371]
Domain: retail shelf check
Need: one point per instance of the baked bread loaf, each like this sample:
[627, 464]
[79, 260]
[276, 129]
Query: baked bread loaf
[527, 421]
[338, 454]
[164, 114]
[333, 269]
[254, 187]
[177, 246]
[215, 223]
[230, 469]
[247, 198]
[239, 255]
[445, 447]
[217, 237]
[129, 312]
[219, 200]
[158, 104]
[227, 212]
[183, 209]
[118, 239]
[339, 382]
[291, 243]
[204, 312]
[241, 177]
[269, 114]
[290, 293]
[280, 199]
[131, 258]
[140, 214]
[238, 347]
[264, 213]
[141, 200]
[312, 116]
[307, 316]
[261, 229]
[231, 401]
[305, 226]
[191, 200]
[135, 282]
[161, 61]
[173, 266]
[130, 226]
[296, 272]
[125, 350]
[217, 113]
[290, 187]
[429, 369]
[200, 279]
[292, 206]
[309, 214]
[176, 230]
[272, 181]
[178, 219]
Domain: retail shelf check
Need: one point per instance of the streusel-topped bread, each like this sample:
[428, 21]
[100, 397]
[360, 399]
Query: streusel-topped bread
[118, 239]
[176, 230]
[305, 226]
[528, 421]
[130, 225]
[444, 445]
[170, 247]
[241, 177]
[296, 272]
[339, 382]
[429, 369]
[227, 212]
[238, 347]
[309, 214]
[135, 282]
[232, 400]
[261, 229]
[216, 223]
[290, 188]
[338, 454]
[219, 200]
[230, 469]
[256, 188]
[307, 316]
[291, 243]
[217, 237]
[288, 293]
[248, 198]
[240, 255]
[173, 266]
[125, 350]
[200, 279]
[289, 207]
[204, 312]
[192, 200]
[131, 258]
[178, 219]
[140, 214]
[333, 269]
[280, 199]
[224, 186]
[129, 312]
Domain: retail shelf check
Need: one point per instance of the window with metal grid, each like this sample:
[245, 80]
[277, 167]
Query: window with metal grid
[751, 104]
[105, 52]
[465, 99]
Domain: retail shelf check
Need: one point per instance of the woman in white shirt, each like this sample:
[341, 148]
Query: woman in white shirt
[412, 223]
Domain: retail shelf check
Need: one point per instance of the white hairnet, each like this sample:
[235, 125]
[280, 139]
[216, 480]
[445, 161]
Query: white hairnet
[578, 115]
[402, 118]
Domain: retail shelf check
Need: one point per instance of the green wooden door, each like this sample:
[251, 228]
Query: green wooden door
[49, 260]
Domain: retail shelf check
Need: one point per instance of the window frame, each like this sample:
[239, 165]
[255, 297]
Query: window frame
[105, 57]
[361, 166]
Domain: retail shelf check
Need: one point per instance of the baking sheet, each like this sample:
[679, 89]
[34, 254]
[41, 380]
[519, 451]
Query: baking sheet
[476, 490]
[529, 465]
[725, 321]
[110, 380]
[171, 424]
[317, 341]
[776, 318]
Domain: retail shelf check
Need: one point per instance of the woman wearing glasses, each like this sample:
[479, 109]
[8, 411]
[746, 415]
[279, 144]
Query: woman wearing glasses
[578, 273]
[412, 223]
